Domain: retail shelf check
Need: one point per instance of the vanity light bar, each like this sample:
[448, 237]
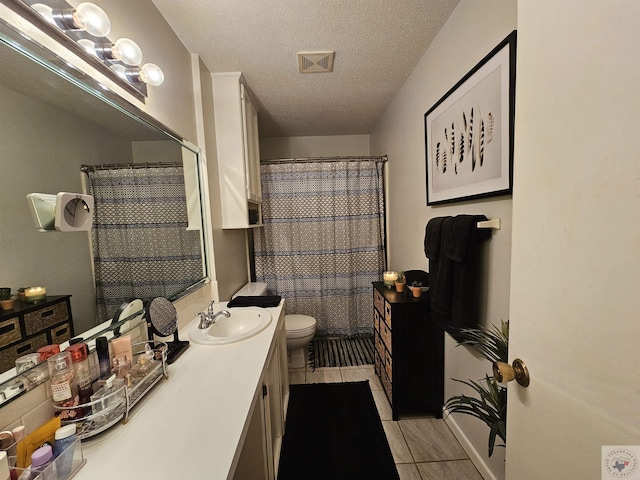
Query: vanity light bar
[88, 25]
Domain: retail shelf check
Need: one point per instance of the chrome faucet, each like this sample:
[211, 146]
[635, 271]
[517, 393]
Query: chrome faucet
[209, 318]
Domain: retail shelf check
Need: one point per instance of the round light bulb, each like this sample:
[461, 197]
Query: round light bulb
[127, 51]
[88, 46]
[92, 18]
[45, 12]
[120, 70]
[151, 74]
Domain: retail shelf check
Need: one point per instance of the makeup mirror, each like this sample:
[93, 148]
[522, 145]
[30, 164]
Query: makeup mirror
[53, 120]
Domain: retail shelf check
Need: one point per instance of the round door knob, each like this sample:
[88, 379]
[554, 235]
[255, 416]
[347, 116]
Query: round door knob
[503, 372]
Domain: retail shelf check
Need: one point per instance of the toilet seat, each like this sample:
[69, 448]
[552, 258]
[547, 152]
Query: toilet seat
[298, 326]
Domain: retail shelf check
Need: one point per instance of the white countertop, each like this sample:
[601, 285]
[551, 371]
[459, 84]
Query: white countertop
[192, 425]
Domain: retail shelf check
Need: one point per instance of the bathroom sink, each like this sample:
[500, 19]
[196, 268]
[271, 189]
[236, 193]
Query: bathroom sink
[243, 323]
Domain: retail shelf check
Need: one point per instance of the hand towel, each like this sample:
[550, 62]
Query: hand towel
[264, 301]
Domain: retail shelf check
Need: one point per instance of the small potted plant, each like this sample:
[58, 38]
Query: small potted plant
[6, 301]
[400, 282]
[416, 289]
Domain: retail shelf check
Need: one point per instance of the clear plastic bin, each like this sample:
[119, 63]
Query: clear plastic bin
[73, 455]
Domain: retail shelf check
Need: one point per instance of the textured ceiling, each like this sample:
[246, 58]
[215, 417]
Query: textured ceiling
[377, 45]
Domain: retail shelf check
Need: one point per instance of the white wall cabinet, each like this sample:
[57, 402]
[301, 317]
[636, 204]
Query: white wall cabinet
[236, 118]
[260, 453]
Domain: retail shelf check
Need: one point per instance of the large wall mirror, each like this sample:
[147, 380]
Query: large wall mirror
[51, 124]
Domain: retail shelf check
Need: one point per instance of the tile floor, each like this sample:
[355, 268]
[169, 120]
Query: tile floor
[423, 448]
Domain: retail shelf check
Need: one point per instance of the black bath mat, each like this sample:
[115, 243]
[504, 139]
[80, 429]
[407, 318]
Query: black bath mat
[334, 432]
[340, 352]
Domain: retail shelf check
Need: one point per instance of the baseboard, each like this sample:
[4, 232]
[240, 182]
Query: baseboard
[474, 456]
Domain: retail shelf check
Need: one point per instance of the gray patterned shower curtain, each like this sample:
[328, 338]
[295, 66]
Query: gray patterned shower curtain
[141, 245]
[322, 244]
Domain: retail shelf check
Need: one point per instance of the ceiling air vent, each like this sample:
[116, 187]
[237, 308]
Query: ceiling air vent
[315, 62]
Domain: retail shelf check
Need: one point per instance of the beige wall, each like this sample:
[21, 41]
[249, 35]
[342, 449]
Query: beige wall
[471, 32]
[321, 146]
[172, 103]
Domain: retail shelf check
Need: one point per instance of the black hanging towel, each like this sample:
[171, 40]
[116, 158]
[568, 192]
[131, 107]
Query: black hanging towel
[452, 245]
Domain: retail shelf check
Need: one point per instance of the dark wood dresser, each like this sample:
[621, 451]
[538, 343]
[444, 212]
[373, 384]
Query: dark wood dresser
[409, 352]
[30, 326]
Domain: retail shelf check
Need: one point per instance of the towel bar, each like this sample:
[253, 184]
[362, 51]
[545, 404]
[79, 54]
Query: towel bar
[494, 224]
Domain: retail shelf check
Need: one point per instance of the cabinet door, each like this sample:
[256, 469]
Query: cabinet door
[251, 147]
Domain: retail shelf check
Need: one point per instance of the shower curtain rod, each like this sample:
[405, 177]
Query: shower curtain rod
[382, 158]
[115, 166]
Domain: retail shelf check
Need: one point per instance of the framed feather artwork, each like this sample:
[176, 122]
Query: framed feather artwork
[469, 132]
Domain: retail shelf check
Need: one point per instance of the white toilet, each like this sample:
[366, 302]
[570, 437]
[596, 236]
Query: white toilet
[300, 328]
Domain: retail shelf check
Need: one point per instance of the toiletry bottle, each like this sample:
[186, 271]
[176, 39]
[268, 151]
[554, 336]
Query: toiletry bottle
[144, 364]
[102, 350]
[112, 396]
[41, 459]
[48, 351]
[80, 358]
[63, 450]
[63, 383]
[122, 355]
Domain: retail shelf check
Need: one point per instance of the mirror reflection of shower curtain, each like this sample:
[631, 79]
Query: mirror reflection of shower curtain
[141, 245]
[322, 244]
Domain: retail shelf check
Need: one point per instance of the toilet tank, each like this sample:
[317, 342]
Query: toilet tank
[252, 289]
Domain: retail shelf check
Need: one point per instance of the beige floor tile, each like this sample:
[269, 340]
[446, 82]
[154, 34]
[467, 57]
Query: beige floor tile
[397, 443]
[296, 378]
[324, 375]
[382, 403]
[458, 469]
[408, 471]
[430, 439]
[353, 374]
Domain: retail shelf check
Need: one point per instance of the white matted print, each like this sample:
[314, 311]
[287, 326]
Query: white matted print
[469, 132]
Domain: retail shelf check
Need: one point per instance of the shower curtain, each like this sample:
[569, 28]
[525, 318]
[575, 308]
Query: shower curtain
[322, 244]
[141, 245]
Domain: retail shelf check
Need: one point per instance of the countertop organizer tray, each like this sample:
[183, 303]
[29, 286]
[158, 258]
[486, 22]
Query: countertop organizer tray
[109, 410]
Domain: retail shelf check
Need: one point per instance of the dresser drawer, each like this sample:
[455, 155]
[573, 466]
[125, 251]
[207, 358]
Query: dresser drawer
[61, 333]
[385, 333]
[387, 313]
[378, 301]
[8, 355]
[388, 366]
[46, 317]
[10, 331]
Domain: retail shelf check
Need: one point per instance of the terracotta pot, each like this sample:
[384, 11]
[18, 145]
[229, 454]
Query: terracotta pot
[400, 286]
[416, 291]
[7, 304]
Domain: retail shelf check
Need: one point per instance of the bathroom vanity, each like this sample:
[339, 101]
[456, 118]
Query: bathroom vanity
[220, 415]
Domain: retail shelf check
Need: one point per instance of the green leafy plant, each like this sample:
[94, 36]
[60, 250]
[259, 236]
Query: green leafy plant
[5, 293]
[491, 406]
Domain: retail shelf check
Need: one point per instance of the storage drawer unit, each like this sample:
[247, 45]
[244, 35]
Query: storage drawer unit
[409, 352]
[30, 326]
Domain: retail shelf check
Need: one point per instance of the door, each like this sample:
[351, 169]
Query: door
[575, 289]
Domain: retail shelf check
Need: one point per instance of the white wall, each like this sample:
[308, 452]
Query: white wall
[471, 32]
[321, 146]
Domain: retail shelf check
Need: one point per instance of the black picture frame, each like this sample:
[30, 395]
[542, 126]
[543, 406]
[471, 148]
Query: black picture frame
[469, 132]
